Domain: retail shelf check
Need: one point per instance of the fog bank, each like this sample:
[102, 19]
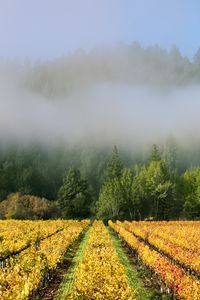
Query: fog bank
[103, 113]
[121, 95]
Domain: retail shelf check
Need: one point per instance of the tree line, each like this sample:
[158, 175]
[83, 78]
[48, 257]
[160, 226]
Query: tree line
[153, 191]
[98, 184]
[130, 64]
[123, 63]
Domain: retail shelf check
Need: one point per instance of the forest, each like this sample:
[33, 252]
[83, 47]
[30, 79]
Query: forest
[105, 184]
[101, 162]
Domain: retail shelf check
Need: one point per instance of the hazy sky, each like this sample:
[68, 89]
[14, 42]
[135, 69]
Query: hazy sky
[49, 28]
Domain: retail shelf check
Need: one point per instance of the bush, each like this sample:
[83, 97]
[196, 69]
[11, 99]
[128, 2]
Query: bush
[19, 206]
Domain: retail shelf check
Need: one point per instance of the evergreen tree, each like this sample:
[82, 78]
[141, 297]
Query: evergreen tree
[155, 154]
[114, 166]
[191, 188]
[196, 58]
[73, 196]
[127, 183]
[152, 190]
[170, 155]
[115, 198]
[111, 199]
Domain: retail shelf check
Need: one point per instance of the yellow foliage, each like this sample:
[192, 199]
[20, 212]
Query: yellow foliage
[100, 275]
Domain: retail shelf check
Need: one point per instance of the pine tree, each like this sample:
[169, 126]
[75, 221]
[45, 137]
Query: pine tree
[197, 58]
[111, 200]
[114, 166]
[155, 154]
[73, 196]
[111, 197]
[191, 193]
[153, 189]
[127, 183]
[170, 155]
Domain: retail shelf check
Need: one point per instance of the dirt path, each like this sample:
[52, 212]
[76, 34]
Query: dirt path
[148, 284]
[140, 278]
[50, 292]
[68, 278]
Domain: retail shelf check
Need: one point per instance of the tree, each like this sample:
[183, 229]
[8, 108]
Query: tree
[196, 58]
[170, 155]
[128, 203]
[92, 166]
[152, 190]
[114, 166]
[155, 154]
[115, 198]
[140, 202]
[111, 196]
[111, 199]
[19, 206]
[7, 177]
[73, 195]
[191, 193]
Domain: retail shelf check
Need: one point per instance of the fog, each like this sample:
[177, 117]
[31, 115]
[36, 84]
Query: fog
[124, 95]
[103, 113]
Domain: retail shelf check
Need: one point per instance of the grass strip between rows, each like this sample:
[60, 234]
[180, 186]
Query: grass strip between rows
[100, 275]
[131, 272]
[68, 282]
[175, 281]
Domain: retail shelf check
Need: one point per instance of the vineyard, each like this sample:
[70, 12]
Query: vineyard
[105, 261]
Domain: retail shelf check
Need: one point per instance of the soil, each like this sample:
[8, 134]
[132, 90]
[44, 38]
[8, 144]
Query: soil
[51, 286]
[150, 280]
[50, 291]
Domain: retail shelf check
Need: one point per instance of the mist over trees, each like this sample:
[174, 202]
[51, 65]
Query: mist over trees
[43, 105]
[125, 94]
[130, 64]
[127, 64]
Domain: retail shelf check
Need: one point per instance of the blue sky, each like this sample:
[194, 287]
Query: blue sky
[49, 28]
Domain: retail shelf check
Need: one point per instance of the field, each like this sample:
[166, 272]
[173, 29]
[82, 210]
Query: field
[83, 260]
